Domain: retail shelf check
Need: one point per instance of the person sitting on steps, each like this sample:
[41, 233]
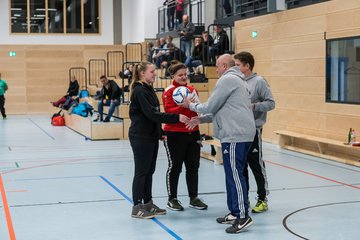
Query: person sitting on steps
[109, 96]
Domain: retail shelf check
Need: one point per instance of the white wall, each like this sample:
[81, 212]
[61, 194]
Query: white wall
[104, 38]
[139, 19]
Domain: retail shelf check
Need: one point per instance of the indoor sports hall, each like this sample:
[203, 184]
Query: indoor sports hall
[72, 178]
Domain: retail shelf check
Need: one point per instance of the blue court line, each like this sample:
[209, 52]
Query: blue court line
[131, 201]
[41, 129]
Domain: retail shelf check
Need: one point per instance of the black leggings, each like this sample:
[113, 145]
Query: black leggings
[145, 154]
[2, 104]
[182, 148]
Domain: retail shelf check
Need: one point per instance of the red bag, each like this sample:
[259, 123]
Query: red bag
[58, 121]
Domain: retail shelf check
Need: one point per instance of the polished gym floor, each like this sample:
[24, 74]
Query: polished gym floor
[57, 185]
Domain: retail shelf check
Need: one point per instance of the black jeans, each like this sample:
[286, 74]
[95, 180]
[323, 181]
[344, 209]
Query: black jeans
[145, 154]
[2, 104]
[182, 148]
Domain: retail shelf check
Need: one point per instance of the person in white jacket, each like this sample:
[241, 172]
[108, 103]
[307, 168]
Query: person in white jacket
[228, 107]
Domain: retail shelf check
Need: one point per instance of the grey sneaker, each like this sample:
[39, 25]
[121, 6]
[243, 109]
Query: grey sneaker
[139, 211]
[240, 225]
[152, 208]
[175, 205]
[197, 204]
[228, 219]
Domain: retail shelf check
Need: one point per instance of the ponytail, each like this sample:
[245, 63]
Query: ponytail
[138, 68]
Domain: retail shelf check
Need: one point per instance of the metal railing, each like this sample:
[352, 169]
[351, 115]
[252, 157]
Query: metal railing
[115, 60]
[169, 18]
[80, 74]
[133, 52]
[97, 68]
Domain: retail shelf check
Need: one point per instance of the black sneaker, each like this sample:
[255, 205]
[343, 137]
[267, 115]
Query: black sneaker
[197, 204]
[175, 205]
[240, 225]
[152, 208]
[228, 219]
[139, 211]
[98, 119]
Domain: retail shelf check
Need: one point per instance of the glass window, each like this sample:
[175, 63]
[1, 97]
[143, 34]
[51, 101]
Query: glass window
[37, 16]
[343, 70]
[19, 16]
[73, 16]
[91, 16]
[56, 16]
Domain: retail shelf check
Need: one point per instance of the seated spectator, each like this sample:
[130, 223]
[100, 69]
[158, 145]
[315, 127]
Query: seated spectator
[221, 43]
[150, 51]
[109, 96]
[159, 57]
[173, 53]
[71, 93]
[198, 55]
[155, 50]
[127, 74]
[208, 41]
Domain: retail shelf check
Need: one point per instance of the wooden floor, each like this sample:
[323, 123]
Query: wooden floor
[57, 185]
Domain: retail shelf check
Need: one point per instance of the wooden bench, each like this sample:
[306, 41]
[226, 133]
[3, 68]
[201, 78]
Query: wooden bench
[218, 157]
[93, 131]
[319, 147]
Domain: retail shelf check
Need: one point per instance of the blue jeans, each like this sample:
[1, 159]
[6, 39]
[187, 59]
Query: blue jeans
[113, 104]
[190, 63]
[185, 46]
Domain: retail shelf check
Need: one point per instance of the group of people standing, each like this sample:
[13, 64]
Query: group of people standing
[237, 107]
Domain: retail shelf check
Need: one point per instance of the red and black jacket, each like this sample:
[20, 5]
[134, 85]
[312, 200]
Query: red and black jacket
[171, 107]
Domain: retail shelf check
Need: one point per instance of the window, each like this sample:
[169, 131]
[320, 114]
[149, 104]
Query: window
[343, 70]
[54, 16]
[73, 16]
[91, 16]
[37, 16]
[55, 13]
[18, 14]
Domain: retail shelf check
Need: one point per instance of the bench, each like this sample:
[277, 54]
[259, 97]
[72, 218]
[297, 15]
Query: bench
[218, 156]
[319, 147]
[93, 131]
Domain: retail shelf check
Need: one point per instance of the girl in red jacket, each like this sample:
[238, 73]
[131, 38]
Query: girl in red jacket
[181, 144]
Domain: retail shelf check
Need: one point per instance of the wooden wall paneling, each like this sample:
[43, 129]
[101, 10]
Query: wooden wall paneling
[293, 84]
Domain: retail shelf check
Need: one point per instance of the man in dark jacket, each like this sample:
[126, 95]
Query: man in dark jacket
[220, 45]
[186, 32]
[109, 96]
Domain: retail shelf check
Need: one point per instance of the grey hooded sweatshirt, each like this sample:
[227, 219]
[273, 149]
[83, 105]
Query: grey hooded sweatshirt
[229, 110]
[261, 97]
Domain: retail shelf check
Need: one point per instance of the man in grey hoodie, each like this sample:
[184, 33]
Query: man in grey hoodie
[228, 107]
[262, 101]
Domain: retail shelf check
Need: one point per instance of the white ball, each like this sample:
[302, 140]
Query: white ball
[180, 93]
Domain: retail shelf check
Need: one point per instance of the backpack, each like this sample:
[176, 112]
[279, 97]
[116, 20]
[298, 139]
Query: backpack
[83, 109]
[84, 94]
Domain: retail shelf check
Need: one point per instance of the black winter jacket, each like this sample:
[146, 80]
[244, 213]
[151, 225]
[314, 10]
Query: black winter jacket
[145, 114]
[113, 92]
